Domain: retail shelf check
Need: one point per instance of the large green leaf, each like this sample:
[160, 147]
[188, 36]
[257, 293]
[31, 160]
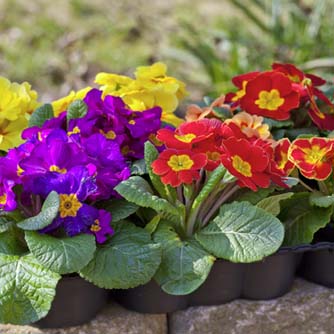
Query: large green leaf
[151, 154]
[40, 115]
[271, 204]
[128, 260]
[62, 255]
[242, 233]
[45, 217]
[77, 109]
[138, 191]
[321, 200]
[27, 289]
[301, 219]
[211, 183]
[10, 242]
[185, 264]
[120, 209]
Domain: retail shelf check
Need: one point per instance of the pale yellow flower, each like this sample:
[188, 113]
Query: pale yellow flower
[10, 132]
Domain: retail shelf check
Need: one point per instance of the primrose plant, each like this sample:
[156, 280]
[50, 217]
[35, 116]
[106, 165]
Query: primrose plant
[196, 187]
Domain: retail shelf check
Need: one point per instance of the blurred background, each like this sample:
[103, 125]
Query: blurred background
[61, 45]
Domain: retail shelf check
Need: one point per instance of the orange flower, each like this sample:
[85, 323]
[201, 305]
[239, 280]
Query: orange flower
[313, 157]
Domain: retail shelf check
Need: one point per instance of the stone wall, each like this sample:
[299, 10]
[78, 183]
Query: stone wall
[307, 309]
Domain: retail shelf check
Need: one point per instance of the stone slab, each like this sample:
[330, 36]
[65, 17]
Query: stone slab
[307, 309]
[113, 320]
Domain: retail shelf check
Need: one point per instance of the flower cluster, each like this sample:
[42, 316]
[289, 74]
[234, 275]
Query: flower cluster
[275, 93]
[82, 159]
[242, 145]
[17, 102]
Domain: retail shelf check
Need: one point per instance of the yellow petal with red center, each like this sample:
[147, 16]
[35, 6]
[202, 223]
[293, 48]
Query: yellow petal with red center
[185, 138]
[69, 205]
[180, 162]
[241, 166]
[269, 100]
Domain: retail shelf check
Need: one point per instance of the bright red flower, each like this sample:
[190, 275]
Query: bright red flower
[178, 167]
[189, 134]
[313, 156]
[270, 94]
[250, 162]
[281, 156]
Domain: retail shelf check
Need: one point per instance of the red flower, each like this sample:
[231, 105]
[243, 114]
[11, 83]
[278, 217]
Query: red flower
[313, 156]
[189, 134]
[270, 94]
[281, 156]
[178, 167]
[251, 162]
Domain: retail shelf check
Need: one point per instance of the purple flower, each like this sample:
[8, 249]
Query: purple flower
[7, 196]
[101, 227]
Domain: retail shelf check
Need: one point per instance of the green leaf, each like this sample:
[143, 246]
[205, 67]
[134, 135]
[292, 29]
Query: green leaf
[242, 233]
[153, 224]
[128, 260]
[40, 115]
[10, 242]
[301, 220]
[121, 209]
[61, 255]
[272, 204]
[138, 191]
[210, 185]
[77, 109]
[151, 154]
[27, 289]
[254, 197]
[278, 124]
[185, 265]
[321, 200]
[139, 167]
[45, 217]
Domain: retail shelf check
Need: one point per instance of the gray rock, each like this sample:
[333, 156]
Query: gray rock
[113, 320]
[307, 309]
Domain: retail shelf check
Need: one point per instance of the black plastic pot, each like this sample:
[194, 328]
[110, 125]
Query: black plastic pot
[227, 281]
[318, 262]
[76, 302]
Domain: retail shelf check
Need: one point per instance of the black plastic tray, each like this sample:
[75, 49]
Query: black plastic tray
[227, 281]
[76, 302]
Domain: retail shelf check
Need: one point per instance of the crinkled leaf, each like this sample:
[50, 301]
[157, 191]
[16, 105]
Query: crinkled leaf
[185, 265]
[210, 184]
[45, 217]
[62, 255]
[242, 233]
[272, 204]
[128, 260]
[77, 109]
[11, 242]
[40, 115]
[301, 220]
[138, 191]
[151, 154]
[139, 167]
[121, 209]
[27, 289]
[321, 200]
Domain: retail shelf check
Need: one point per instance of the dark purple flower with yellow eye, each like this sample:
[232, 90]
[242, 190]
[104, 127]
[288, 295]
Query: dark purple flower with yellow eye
[101, 227]
[7, 196]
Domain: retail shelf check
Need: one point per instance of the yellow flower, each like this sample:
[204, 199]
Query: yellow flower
[10, 132]
[61, 105]
[150, 88]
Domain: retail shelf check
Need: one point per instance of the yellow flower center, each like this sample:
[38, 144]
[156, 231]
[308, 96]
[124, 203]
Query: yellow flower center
[241, 166]
[109, 135]
[74, 131]
[132, 122]
[19, 170]
[213, 156]
[3, 199]
[69, 205]
[186, 138]
[96, 226]
[269, 100]
[57, 169]
[314, 155]
[283, 161]
[240, 93]
[180, 162]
